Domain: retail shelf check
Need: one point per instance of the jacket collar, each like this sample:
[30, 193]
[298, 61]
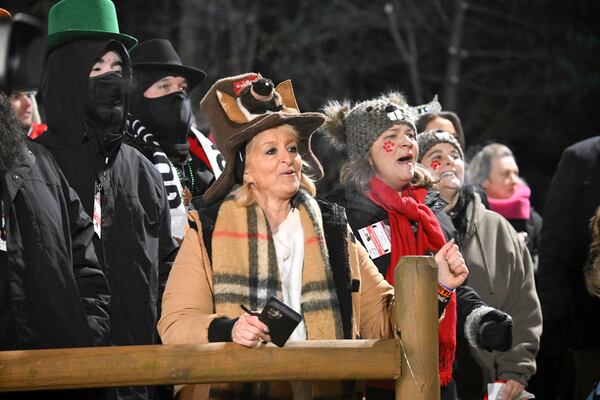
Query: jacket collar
[475, 213]
[434, 201]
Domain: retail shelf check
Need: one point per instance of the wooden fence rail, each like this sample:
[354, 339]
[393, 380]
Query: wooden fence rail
[411, 360]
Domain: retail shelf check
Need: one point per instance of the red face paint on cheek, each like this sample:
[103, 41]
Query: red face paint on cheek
[435, 165]
[388, 146]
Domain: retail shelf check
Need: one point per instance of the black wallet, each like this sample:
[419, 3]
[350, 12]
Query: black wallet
[280, 319]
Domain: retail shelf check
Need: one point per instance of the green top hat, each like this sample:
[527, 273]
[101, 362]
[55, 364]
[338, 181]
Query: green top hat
[71, 20]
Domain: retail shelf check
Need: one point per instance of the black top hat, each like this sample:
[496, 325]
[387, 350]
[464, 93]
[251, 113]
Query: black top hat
[159, 55]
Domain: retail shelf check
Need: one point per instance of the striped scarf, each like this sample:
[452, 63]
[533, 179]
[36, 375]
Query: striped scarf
[246, 272]
[168, 172]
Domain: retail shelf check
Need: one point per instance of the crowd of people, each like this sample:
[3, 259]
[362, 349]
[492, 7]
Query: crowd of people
[123, 224]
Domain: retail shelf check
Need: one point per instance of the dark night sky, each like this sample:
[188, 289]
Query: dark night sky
[545, 97]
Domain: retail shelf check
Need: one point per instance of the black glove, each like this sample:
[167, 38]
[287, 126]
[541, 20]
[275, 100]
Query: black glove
[495, 331]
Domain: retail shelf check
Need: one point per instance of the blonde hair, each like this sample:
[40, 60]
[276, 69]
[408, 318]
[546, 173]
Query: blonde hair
[245, 196]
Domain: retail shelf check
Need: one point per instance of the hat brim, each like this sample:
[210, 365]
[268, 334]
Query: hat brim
[59, 38]
[305, 123]
[193, 75]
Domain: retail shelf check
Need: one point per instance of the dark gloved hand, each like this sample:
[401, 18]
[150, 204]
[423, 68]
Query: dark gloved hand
[495, 331]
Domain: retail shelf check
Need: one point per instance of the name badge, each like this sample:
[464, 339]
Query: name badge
[97, 217]
[376, 238]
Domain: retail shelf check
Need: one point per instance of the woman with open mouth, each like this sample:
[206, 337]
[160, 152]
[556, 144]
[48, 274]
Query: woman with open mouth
[393, 213]
[500, 267]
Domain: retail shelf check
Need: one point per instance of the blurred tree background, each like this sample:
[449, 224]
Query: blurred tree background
[524, 73]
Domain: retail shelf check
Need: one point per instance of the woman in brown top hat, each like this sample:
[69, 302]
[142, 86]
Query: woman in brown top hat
[263, 233]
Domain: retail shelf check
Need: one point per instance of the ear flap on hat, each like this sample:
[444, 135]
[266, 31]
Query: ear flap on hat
[286, 91]
[231, 108]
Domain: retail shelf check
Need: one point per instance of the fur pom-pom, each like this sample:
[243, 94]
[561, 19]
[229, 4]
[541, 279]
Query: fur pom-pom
[395, 97]
[334, 127]
[592, 268]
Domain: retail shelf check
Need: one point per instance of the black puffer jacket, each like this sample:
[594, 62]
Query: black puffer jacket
[58, 293]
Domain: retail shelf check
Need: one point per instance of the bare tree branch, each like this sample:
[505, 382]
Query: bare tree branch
[437, 5]
[252, 36]
[454, 58]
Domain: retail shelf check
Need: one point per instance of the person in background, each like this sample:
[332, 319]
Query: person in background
[592, 277]
[495, 169]
[592, 267]
[501, 271]
[569, 352]
[160, 126]
[388, 202]
[87, 78]
[53, 293]
[444, 120]
[265, 234]
[24, 104]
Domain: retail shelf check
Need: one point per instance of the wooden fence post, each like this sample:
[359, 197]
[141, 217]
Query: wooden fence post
[416, 313]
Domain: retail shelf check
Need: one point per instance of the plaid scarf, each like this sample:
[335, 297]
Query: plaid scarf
[245, 271]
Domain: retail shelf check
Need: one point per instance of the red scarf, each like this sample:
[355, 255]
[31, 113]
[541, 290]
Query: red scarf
[37, 129]
[402, 210]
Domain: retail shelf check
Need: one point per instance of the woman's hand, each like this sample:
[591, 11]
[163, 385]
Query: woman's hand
[452, 270]
[248, 331]
[512, 390]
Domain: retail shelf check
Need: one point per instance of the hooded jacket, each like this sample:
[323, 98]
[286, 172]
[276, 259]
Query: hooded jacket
[501, 271]
[136, 249]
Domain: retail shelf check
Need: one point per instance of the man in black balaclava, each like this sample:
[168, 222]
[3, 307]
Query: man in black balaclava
[53, 293]
[160, 126]
[85, 96]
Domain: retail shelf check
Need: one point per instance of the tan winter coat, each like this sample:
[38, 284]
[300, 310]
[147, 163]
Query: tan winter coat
[501, 271]
[188, 308]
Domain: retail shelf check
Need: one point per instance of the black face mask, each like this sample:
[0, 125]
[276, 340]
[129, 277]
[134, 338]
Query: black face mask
[105, 105]
[168, 117]
[105, 101]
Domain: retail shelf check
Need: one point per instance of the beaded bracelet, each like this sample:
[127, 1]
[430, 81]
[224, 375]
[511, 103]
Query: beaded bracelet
[444, 291]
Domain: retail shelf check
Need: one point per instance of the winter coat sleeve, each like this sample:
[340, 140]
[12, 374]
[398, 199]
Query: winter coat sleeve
[521, 302]
[373, 304]
[91, 281]
[467, 300]
[187, 303]
[556, 252]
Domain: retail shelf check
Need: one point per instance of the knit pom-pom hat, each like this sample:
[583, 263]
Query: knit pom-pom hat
[356, 128]
[430, 138]
[335, 113]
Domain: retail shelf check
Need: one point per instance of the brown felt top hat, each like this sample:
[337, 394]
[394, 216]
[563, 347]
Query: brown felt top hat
[240, 107]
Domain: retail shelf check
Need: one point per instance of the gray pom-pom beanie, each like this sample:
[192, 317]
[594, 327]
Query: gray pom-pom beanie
[365, 122]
